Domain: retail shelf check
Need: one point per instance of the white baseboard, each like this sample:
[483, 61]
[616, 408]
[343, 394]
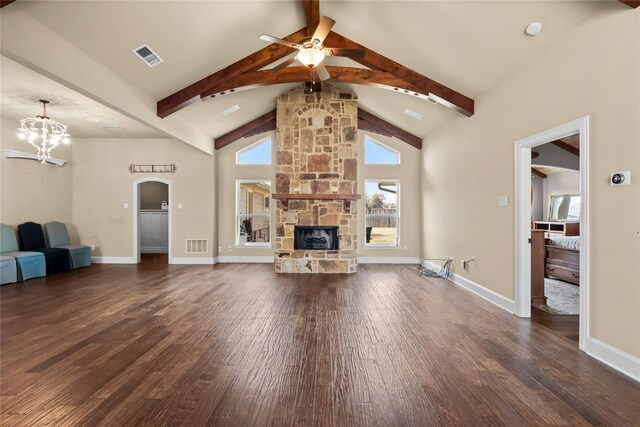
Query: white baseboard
[244, 259]
[388, 260]
[192, 260]
[491, 296]
[617, 359]
[113, 260]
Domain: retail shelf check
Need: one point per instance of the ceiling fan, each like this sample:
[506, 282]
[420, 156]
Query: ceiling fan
[311, 51]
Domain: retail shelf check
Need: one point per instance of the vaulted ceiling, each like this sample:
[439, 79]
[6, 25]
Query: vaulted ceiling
[468, 46]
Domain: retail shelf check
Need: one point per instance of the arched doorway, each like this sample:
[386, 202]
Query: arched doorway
[155, 215]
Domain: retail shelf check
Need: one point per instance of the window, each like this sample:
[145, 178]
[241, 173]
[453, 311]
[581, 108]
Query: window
[253, 214]
[255, 154]
[376, 153]
[382, 213]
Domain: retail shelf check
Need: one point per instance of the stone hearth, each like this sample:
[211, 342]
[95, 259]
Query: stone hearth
[316, 137]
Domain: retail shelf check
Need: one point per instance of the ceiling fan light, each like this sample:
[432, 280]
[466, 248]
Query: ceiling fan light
[311, 57]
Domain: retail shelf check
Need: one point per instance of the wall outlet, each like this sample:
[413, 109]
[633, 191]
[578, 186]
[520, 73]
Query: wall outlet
[93, 247]
[405, 247]
[125, 205]
[503, 201]
[219, 249]
[179, 205]
[230, 248]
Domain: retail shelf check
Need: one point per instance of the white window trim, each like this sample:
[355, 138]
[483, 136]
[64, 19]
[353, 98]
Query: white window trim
[398, 244]
[383, 145]
[238, 215]
[252, 146]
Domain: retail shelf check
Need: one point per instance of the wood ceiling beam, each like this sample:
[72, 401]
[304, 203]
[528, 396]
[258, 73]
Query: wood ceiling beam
[255, 61]
[374, 123]
[4, 3]
[350, 75]
[252, 128]
[537, 173]
[312, 14]
[631, 3]
[374, 60]
[567, 147]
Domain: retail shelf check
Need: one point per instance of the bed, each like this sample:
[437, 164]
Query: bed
[556, 257]
[562, 258]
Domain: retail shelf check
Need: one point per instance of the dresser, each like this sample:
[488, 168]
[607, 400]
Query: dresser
[554, 228]
[154, 231]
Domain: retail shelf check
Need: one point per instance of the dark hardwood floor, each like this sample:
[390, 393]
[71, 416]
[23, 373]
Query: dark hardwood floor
[567, 326]
[237, 345]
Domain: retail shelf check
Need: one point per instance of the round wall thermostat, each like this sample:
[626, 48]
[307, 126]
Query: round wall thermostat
[534, 28]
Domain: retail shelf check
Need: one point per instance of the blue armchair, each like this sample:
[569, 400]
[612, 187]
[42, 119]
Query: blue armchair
[8, 270]
[58, 237]
[28, 264]
[32, 239]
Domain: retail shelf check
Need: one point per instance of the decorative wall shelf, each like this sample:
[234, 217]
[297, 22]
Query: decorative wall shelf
[13, 154]
[346, 198]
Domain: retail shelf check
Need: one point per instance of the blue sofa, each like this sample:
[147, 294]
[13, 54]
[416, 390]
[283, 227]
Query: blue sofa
[8, 270]
[58, 237]
[28, 264]
[32, 239]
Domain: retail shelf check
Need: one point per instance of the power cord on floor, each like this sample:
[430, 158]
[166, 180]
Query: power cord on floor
[443, 273]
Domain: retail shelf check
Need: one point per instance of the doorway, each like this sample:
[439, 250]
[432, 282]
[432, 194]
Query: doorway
[152, 220]
[544, 270]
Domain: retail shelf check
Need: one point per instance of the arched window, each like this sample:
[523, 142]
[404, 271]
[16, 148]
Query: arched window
[376, 153]
[255, 154]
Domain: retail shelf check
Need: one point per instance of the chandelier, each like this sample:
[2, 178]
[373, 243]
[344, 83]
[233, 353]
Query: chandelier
[43, 133]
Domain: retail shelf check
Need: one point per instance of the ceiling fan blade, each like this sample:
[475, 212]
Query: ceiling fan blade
[344, 51]
[290, 60]
[324, 28]
[322, 72]
[271, 39]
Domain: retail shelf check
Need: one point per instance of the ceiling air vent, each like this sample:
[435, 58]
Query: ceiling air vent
[147, 55]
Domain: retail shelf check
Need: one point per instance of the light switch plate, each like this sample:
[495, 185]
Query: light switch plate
[503, 201]
[126, 205]
[179, 205]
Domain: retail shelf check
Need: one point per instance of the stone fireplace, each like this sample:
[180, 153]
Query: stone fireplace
[316, 181]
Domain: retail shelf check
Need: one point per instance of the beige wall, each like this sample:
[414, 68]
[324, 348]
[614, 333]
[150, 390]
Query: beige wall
[102, 184]
[29, 190]
[407, 173]
[227, 174]
[152, 194]
[469, 162]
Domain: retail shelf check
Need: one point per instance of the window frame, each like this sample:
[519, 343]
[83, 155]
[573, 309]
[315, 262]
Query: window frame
[239, 215]
[384, 146]
[397, 215]
[252, 146]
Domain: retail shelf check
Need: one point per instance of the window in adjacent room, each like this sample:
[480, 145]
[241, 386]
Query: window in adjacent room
[382, 213]
[376, 153]
[253, 218]
[255, 154]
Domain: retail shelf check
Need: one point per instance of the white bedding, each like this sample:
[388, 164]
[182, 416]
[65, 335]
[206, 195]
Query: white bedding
[568, 242]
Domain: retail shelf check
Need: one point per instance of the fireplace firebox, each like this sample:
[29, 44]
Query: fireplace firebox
[316, 237]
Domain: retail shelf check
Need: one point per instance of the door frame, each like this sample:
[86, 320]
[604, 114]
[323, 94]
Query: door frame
[523, 218]
[136, 216]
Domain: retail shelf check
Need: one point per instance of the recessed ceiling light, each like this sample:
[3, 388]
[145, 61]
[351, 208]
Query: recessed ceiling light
[147, 55]
[231, 110]
[413, 114]
[533, 29]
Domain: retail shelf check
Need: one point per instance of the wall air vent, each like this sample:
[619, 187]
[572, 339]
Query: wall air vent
[196, 246]
[147, 55]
